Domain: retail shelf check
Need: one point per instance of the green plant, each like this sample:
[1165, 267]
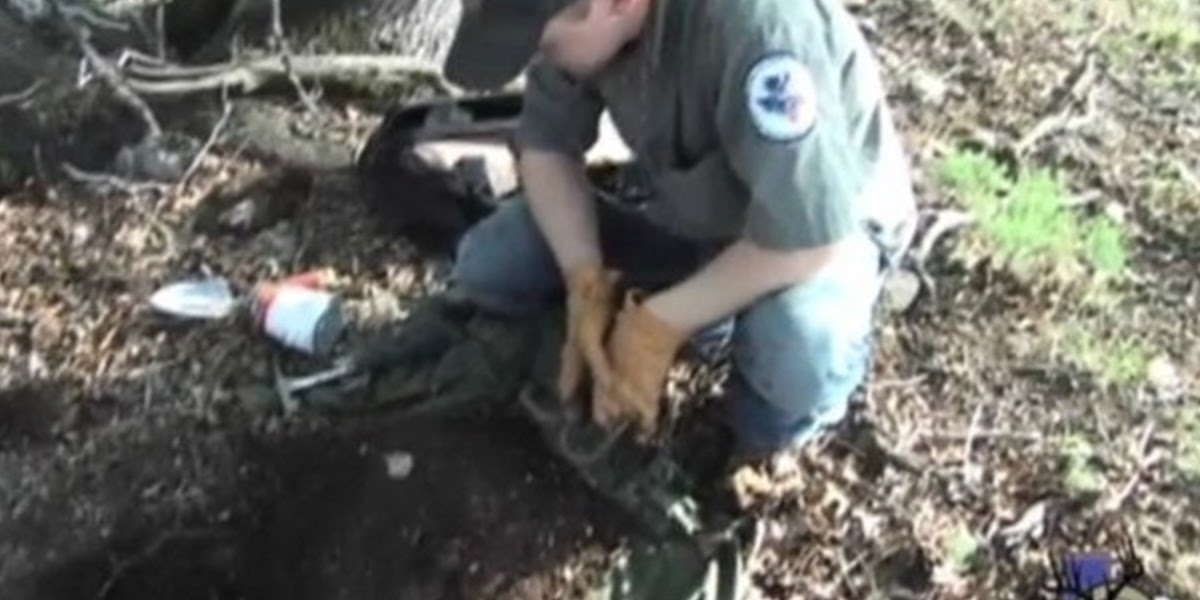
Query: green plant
[973, 174]
[1104, 246]
[1027, 222]
[1082, 476]
[962, 549]
[1117, 361]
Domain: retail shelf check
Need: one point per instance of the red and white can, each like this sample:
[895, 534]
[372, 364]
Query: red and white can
[299, 314]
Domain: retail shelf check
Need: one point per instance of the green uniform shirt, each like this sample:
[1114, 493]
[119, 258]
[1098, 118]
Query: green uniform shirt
[763, 119]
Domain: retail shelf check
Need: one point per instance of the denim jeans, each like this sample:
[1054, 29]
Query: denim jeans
[797, 354]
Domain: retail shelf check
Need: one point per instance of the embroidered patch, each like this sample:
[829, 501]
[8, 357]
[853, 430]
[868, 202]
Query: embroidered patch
[782, 97]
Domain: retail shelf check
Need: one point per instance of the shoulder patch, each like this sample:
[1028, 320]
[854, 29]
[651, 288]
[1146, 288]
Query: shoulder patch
[781, 97]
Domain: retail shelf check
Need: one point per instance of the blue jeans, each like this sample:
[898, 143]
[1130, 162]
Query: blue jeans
[797, 354]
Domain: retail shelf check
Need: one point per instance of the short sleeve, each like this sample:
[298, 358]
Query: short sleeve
[558, 114]
[788, 139]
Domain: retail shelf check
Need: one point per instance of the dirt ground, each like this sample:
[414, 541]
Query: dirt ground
[137, 460]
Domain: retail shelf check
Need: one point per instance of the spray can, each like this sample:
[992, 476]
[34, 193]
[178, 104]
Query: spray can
[299, 314]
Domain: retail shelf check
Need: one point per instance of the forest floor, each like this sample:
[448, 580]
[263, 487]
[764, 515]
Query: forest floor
[1040, 398]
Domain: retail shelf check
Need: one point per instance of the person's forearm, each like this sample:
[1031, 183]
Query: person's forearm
[558, 196]
[738, 276]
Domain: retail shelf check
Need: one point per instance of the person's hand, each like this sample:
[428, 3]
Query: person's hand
[641, 350]
[590, 306]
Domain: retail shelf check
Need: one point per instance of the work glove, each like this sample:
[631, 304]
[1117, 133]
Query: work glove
[641, 350]
[590, 307]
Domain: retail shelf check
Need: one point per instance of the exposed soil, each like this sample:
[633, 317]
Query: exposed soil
[480, 512]
[138, 461]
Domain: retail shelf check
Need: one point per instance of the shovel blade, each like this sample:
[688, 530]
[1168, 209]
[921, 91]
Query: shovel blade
[200, 299]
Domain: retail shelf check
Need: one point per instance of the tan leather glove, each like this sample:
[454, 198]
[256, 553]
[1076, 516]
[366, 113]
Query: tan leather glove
[590, 307]
[641, 350]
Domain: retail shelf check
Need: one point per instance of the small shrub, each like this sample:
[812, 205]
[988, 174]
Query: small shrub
[1027, 223]
[1104, 247]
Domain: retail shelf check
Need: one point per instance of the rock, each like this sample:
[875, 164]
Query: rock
[901, 290]
[399, 464]
[163, 158]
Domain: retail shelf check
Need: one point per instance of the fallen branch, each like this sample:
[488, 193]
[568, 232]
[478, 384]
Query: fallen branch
[255, 73]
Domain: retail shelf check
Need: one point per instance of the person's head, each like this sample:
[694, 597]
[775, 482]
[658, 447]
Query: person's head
[497, 38]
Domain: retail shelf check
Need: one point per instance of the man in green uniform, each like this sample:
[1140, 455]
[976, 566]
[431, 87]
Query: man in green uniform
[781, 195]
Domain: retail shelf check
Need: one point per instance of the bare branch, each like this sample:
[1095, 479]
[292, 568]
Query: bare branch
[285, 57]
[113, 78]
[218, 129]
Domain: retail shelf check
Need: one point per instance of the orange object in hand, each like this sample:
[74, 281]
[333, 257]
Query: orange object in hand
[590, 296]
[641, 350]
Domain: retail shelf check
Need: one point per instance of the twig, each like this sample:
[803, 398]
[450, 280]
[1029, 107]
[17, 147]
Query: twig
[253, 74]
[122, 566]
[972, 434]
[980, 434]
[113, 78]
[1030, 525]
[1079, 87]
[90, 17]
[213, 136]
[1144, 461]
[286, 59]
[138, 67]
[1186, 174]
[847, 568]
[160, 30]
[944, 222]
[23, 95]
[111, 181]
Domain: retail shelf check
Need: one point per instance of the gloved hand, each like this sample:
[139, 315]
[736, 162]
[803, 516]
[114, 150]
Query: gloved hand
[641, 350]
[590, 307]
